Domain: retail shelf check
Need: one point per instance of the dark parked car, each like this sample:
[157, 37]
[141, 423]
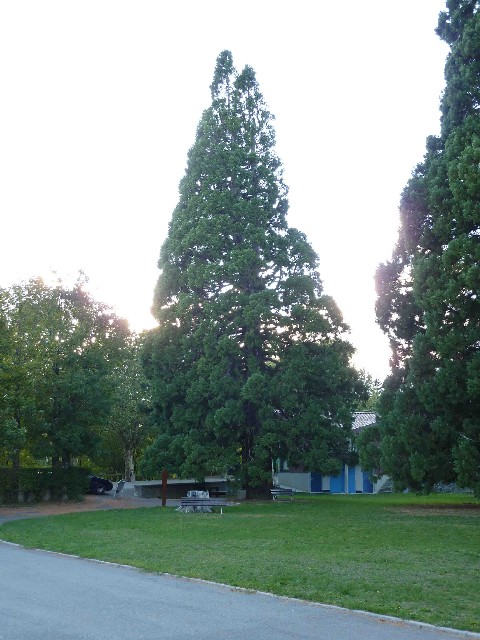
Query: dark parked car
[99, 485]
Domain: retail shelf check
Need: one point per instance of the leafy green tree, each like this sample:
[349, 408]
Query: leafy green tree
[21, 365]
[60, 349]
[249, 361]
[428, 294]
[367, 443]
[85, 341]
[128, 422]
[373, 392]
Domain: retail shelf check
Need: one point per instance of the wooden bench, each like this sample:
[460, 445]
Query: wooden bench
[203, 502]
[278, 491]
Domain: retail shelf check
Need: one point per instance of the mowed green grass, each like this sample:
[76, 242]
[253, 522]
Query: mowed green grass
[400, 555]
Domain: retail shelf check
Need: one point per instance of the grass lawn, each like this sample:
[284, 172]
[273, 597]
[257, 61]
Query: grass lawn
[410, 556]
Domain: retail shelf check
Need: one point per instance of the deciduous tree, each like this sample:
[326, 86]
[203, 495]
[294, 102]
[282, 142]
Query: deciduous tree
[60, 348]
[22, 365]
[128, 422]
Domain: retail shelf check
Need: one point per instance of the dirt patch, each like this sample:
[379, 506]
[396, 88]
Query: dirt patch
[443, 509]
[91, 503]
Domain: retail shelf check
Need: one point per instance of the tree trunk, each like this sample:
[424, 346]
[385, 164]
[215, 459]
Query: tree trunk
[56, 490]
[129, 466]
[66, 460]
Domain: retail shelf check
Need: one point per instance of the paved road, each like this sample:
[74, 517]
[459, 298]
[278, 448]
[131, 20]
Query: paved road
[46, 596]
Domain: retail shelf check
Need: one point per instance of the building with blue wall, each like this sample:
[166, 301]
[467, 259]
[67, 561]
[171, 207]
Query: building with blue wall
[351, 479]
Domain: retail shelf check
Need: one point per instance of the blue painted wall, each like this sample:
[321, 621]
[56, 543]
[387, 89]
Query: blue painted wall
[337, 483]
[367, 484]
[351, 480]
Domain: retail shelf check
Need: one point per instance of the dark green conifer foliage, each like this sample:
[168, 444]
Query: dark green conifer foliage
[248, 362]
[428, 294]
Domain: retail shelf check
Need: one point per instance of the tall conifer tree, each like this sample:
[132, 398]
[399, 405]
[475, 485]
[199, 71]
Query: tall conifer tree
[428, 294]
[249, 361]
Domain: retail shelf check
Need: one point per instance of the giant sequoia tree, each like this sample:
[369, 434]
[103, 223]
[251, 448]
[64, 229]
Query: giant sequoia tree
[428, 293]
[249, 360]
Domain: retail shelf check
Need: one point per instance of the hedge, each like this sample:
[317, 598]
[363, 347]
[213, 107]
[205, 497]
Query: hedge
[38, 484]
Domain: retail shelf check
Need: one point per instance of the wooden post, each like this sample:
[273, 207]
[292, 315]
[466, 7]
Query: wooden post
[164, 487]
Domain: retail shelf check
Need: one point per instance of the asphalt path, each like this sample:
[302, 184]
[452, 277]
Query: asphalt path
[57, 597]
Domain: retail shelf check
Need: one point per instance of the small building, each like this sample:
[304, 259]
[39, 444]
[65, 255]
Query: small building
[178, 488]
[351, 479]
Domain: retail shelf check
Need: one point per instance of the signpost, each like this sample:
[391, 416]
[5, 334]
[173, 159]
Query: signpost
[164, 487]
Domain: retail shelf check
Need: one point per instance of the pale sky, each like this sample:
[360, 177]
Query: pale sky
[99, 105]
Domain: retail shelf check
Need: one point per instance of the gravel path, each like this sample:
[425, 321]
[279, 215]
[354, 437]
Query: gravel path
[91, 503]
